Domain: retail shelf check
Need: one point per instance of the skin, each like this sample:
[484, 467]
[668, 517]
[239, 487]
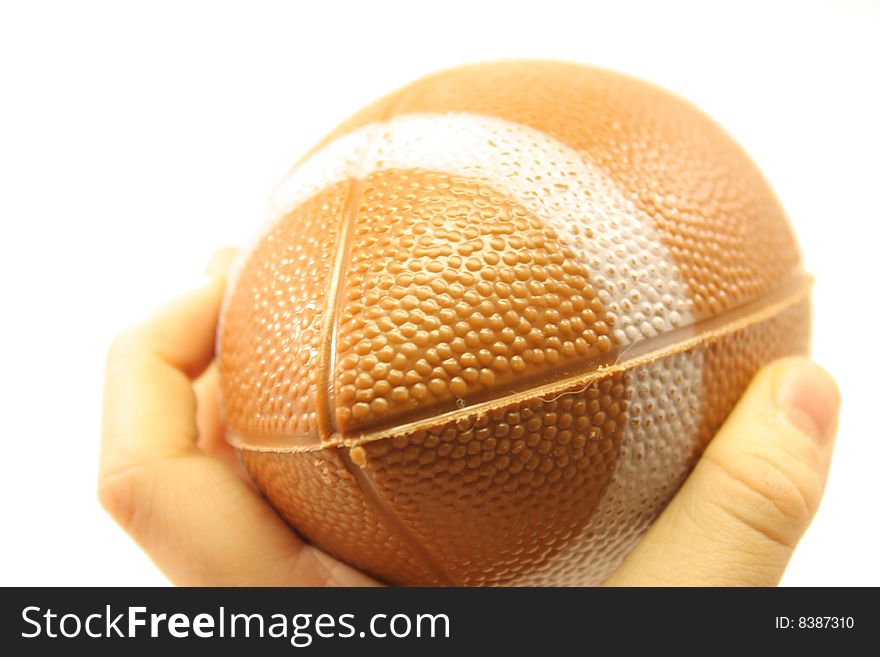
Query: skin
[169, 478]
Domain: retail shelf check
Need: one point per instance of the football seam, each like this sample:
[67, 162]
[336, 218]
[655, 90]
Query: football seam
[703, 332]
[325, 392]
[328, 428]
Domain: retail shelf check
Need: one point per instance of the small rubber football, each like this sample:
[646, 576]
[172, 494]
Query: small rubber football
[496, 316]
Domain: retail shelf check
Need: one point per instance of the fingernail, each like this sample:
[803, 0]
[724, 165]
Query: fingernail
[810, 399]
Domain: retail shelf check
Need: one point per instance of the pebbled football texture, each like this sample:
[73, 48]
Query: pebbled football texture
[495, 317]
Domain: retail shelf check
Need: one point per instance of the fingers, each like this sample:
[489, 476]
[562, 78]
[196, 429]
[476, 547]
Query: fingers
[197, 520]
[741, 513]
[212, 440]
[147, 391]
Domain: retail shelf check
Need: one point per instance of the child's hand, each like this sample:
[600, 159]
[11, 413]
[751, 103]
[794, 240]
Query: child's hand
[168, 476]
[742, 511]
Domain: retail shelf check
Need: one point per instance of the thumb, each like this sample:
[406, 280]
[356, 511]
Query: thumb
[741, 513]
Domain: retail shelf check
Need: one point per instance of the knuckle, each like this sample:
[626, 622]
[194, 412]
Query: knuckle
[119, 494]
[778, 500]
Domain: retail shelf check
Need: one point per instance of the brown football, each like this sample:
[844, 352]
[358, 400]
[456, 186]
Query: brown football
[494, 319]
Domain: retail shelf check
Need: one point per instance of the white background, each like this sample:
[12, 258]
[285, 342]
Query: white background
[137, 138]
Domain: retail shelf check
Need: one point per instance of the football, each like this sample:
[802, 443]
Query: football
[494, 318]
